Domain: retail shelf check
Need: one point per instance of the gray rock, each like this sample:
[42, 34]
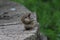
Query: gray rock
[13, 29]
[4, 2]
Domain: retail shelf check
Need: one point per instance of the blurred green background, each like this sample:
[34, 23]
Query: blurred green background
[48, 13]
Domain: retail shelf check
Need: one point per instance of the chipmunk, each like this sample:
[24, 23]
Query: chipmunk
[28, 21]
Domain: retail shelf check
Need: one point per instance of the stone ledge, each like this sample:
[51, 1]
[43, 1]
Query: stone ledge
[17, 32]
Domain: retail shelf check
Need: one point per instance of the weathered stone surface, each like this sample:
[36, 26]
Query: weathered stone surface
[13, 29]
[43, 37]
[18, 31]
[3, 2]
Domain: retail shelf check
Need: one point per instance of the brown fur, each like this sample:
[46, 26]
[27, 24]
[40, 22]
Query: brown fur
[28, 22]
[26, 19]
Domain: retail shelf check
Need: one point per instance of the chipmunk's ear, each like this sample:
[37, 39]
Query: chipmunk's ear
[29, 14]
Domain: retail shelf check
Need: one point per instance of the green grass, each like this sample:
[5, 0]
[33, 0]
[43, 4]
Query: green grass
[48, 13]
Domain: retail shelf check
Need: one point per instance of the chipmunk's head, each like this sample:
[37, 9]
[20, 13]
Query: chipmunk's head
[26, 18]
